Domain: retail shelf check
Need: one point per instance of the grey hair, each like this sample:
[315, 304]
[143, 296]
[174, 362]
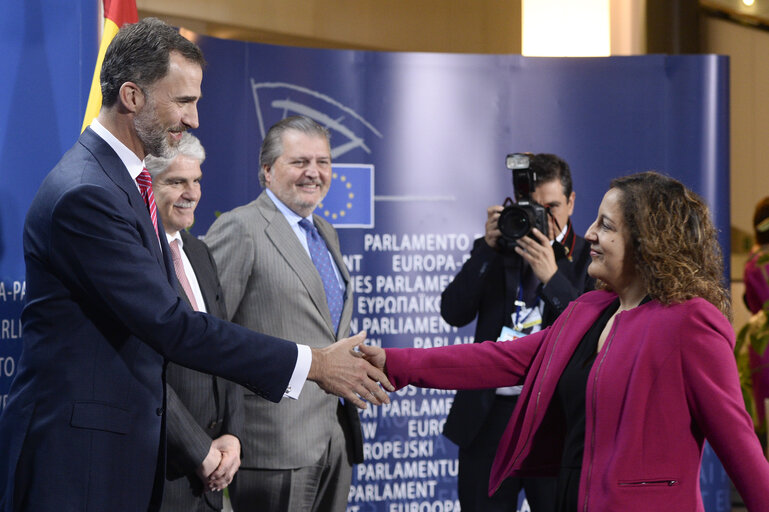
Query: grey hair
[189, 146]
[272, 146]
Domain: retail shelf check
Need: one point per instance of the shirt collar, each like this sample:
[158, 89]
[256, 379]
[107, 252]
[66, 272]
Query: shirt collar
[292, 217]
[176, 236]
[128, 157]
[562, 234]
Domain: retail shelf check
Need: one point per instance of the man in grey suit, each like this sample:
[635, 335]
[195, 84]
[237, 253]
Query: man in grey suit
[280, 278]
[205, 413]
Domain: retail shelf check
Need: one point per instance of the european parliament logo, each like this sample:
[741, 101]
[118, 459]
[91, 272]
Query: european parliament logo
[350, 199]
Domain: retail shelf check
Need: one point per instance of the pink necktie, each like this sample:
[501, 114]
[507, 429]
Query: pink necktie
[176, 255]
[145, 188]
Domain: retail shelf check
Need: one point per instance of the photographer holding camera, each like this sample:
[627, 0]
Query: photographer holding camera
[517, 281]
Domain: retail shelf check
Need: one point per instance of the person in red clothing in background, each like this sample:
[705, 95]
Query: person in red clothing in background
[751, 353]
[756, 274]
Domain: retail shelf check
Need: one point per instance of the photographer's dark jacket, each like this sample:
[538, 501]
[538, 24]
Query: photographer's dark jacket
[486, 287]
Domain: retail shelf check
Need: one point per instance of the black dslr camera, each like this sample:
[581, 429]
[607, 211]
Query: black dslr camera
[518, 218]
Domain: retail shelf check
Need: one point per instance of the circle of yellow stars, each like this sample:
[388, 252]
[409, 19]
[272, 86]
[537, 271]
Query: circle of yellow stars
[350, 196]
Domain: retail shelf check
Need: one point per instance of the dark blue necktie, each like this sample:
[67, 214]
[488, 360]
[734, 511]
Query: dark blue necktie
[322, 260]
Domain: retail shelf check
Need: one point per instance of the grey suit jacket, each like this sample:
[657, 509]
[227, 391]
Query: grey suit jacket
[200, 407]
[271, 285]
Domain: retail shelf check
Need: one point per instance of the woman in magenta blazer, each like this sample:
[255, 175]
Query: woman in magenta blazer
[621, 392]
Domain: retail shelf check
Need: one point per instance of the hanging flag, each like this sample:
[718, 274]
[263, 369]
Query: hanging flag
[116, 14]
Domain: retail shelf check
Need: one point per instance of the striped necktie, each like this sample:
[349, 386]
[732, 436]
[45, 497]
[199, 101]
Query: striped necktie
[144, 181]
[181, 275]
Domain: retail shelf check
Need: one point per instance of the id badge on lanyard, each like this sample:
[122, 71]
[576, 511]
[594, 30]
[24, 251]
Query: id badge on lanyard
[525, 319]
[509, 334]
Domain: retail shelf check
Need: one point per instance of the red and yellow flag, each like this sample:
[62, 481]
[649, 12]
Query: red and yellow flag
[116, 14]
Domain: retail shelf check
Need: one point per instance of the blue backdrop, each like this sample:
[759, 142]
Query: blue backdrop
[418, 141]
[47, 53]
[430, 133]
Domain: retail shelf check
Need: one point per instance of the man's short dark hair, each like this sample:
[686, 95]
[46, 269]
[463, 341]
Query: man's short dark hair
[140, 53]
[551, 167]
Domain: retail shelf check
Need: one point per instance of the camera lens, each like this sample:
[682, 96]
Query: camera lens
[514, 222]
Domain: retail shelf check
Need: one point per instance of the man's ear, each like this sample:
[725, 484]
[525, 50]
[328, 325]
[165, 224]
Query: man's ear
[131, 97]
[267, 175]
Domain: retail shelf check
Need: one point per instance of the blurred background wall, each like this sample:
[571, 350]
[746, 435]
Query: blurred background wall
[737, 28]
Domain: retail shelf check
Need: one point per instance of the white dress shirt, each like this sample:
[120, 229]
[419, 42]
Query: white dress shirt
[293, 219]
[189, 272]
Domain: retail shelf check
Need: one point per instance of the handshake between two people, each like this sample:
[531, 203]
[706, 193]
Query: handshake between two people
[354, 375]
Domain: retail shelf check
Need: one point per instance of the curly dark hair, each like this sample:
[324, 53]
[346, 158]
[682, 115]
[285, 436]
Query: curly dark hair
[673, 240]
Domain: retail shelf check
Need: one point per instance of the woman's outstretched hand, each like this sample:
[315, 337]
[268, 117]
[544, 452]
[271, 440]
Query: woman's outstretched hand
[374, 355]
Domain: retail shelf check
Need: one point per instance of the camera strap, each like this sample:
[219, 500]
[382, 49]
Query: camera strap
[565, 248]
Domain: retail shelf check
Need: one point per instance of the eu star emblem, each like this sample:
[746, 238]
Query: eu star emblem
[350, 199]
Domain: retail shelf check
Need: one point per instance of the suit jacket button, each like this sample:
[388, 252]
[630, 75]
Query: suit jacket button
[159, 411]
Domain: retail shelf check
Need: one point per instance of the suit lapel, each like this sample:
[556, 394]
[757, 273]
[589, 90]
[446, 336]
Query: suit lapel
[199, 261]
[207, 282]
[168, 262]
[326, 231]
[287, 244]
[114, 168]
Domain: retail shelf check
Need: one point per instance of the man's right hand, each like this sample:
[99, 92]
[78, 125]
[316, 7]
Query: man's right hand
[339, 370]
[492, 229]
[209, 464]
[229, 448]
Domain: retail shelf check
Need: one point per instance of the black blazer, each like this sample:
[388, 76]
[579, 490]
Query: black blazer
[84, 426]
[201, 407]
[486, 288]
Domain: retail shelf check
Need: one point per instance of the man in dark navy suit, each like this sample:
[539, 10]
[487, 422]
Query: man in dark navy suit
[205, 415]
[85, 424]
